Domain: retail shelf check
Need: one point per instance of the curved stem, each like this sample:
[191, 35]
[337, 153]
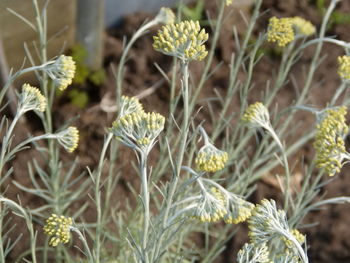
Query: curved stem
[137, 34]
[286, 166]
[6, 140]
[83, 239]
[29, 224]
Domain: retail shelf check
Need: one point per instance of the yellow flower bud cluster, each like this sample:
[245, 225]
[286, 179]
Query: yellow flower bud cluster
[254, 253]
[210, 159]
[210, 208]
[31, 99]
[183, 40]
[228, 2]
[302, 26]
[257, 115]
[165, 16]
[58, 228]
[130, 105]
[297, 235]
[344, 67]
[329, 141]
[68, 138]
[266, 222]
[280, 30]
[62, 71]
[216, 204]
[239, 210]
[138, 129]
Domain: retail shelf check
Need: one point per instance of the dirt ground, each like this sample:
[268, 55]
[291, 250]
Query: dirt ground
[329, 239]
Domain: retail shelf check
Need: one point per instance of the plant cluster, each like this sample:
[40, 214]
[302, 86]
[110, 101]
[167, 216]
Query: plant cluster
[201, 182]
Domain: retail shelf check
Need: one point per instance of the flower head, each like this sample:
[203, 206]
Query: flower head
[210, 159]
[329, 141]
[252, 253]
[68, 138]
[266, 222]
[344, 67]
[184, 40]
[31, 99]
[228, 2]
[280, 30]
[61, 71]
[237, 209]
[257, 115]
[130, 105]
[165, 16]
[138, 129]
[303, 26]
[58, 229]
[210, 207]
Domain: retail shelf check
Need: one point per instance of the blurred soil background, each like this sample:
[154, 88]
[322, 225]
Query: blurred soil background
[329, 239]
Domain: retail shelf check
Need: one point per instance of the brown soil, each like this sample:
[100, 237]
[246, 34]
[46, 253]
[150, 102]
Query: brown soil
[328, 240]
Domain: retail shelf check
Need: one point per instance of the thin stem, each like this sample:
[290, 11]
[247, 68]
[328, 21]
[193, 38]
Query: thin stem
[83, 239]
[145, 200]
[210, 55]
[15, 76]
[29, 224]
[180, 154]
[99, 223]
[285, 164]
[184, 134]
[301, 251]
[6, 140]
[338, 92]
[317, 53]
[137, 34]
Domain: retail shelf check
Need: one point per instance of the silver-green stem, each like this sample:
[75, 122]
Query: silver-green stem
[15, 76]
[6, 140]
[137, 34]
[286, 167]
[301, 251]
[211, 54]
[29, 224]
[184, 134]
[83, 239]
[180, 153]
[316, 57]
[99, 223]
[145, 200]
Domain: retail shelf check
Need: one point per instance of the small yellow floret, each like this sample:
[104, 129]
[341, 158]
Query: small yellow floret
[184, 40]
[58, 229]
[280, 30]
[303, 26]
[344, 67]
